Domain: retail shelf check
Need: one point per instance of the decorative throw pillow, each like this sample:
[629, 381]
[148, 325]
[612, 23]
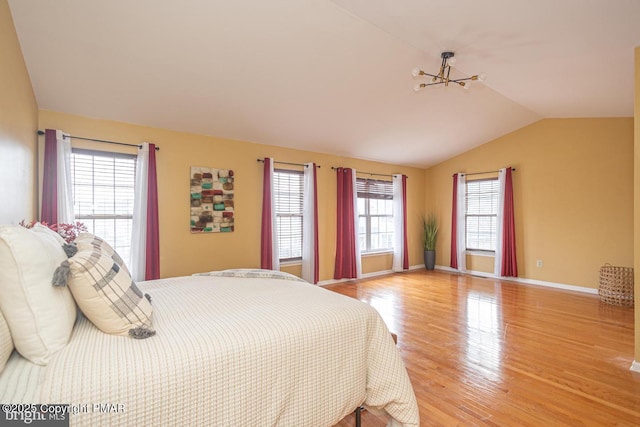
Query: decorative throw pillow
[107, 296]
[6, 343]
[40, 316]
[88, 241]
[40, 228]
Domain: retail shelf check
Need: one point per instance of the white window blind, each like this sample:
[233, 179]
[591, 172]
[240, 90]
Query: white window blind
[482, 213]
[288, 194]
[103, 195]
[375, 214]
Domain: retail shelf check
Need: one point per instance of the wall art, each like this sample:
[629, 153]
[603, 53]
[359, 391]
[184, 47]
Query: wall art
[211, 201]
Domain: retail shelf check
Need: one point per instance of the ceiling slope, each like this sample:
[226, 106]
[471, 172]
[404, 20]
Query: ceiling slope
[331, 77]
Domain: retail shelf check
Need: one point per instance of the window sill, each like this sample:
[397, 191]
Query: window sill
[376, 253]
[489, 254]
[291, 262]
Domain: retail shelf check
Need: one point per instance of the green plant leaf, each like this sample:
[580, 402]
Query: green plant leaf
[430, 232]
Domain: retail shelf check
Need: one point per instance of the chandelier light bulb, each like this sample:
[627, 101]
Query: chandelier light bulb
[443, 76]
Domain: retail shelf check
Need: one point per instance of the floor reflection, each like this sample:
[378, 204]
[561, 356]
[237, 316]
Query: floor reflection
[484, 334]
[389, 308]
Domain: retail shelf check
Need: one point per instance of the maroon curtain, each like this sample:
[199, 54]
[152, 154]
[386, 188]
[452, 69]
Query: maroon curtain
[316, 257]
[346, 267]
[509, 261]
[152, 269]
[405, 258]
[266, 238]
[454, 221]
[49, 208]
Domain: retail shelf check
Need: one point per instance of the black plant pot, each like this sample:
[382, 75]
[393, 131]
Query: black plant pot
[429, 259]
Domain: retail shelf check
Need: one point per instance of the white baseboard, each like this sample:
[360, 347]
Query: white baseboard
[635, 366]
[366, 276]
[474, 273]
[523, 280]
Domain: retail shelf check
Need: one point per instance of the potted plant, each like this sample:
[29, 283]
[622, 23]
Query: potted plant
[429, 238]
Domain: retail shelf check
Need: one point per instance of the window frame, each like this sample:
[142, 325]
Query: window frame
[115, 216]
[365, 193]
[300, 215]
[494, 194]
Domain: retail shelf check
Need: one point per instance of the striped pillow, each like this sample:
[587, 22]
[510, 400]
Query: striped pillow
[107, 296]
[88, 241]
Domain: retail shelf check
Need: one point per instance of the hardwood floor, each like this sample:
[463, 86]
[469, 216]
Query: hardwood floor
[483, 352]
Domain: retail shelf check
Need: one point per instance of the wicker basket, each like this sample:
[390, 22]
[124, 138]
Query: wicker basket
[616, 285]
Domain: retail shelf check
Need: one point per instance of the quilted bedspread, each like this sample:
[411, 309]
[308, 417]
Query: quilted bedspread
[229, 352]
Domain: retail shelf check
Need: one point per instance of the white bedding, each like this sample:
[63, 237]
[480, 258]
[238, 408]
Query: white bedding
[228, 352]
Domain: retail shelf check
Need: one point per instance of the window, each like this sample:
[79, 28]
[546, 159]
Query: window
[287, 195]
[103, 194]
[375, 212]
[482, 214]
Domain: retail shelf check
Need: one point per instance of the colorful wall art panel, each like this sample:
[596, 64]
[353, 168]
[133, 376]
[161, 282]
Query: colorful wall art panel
[212, 209]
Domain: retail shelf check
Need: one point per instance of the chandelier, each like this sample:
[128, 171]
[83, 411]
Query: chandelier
[442, 78]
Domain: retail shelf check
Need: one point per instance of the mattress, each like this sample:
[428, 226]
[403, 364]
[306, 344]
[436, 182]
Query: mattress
[228, 352]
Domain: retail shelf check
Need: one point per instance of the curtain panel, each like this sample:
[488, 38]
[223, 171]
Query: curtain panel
[269, 258]
[145, 235]
[458, 224]
[347, 264]
[400, 247]
[57, 191]
[152, 267]
[497, 266]
[310, 258]
[506, 263]
[454, 221]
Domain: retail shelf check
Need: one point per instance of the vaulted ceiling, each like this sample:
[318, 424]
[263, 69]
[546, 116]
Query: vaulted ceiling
[332, 76]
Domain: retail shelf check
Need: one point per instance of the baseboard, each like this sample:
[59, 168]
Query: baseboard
[556, 285]
[523, 280]
[445, 268]
[635, 366]
[366, 276]
[482, 274]
[331, 282]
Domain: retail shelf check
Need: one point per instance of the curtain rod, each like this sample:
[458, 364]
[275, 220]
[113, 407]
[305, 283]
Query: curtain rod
[287, 163]
[482, 173]
[41, 132]
[370, 173]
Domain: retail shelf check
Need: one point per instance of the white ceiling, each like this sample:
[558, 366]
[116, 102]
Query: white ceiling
[332, 76]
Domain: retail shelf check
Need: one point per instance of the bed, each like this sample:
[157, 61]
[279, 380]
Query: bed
[232, 348]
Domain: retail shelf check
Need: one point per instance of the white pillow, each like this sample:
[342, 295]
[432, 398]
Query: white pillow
[106, 294]
[40, 228]
[40, 316]
[6, 343]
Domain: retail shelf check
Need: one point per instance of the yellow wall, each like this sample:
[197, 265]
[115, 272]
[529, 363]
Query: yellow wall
[18, 126]
[573, 196]
[184, 253]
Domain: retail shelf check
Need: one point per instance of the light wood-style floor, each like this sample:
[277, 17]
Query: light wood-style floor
[483, 352]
